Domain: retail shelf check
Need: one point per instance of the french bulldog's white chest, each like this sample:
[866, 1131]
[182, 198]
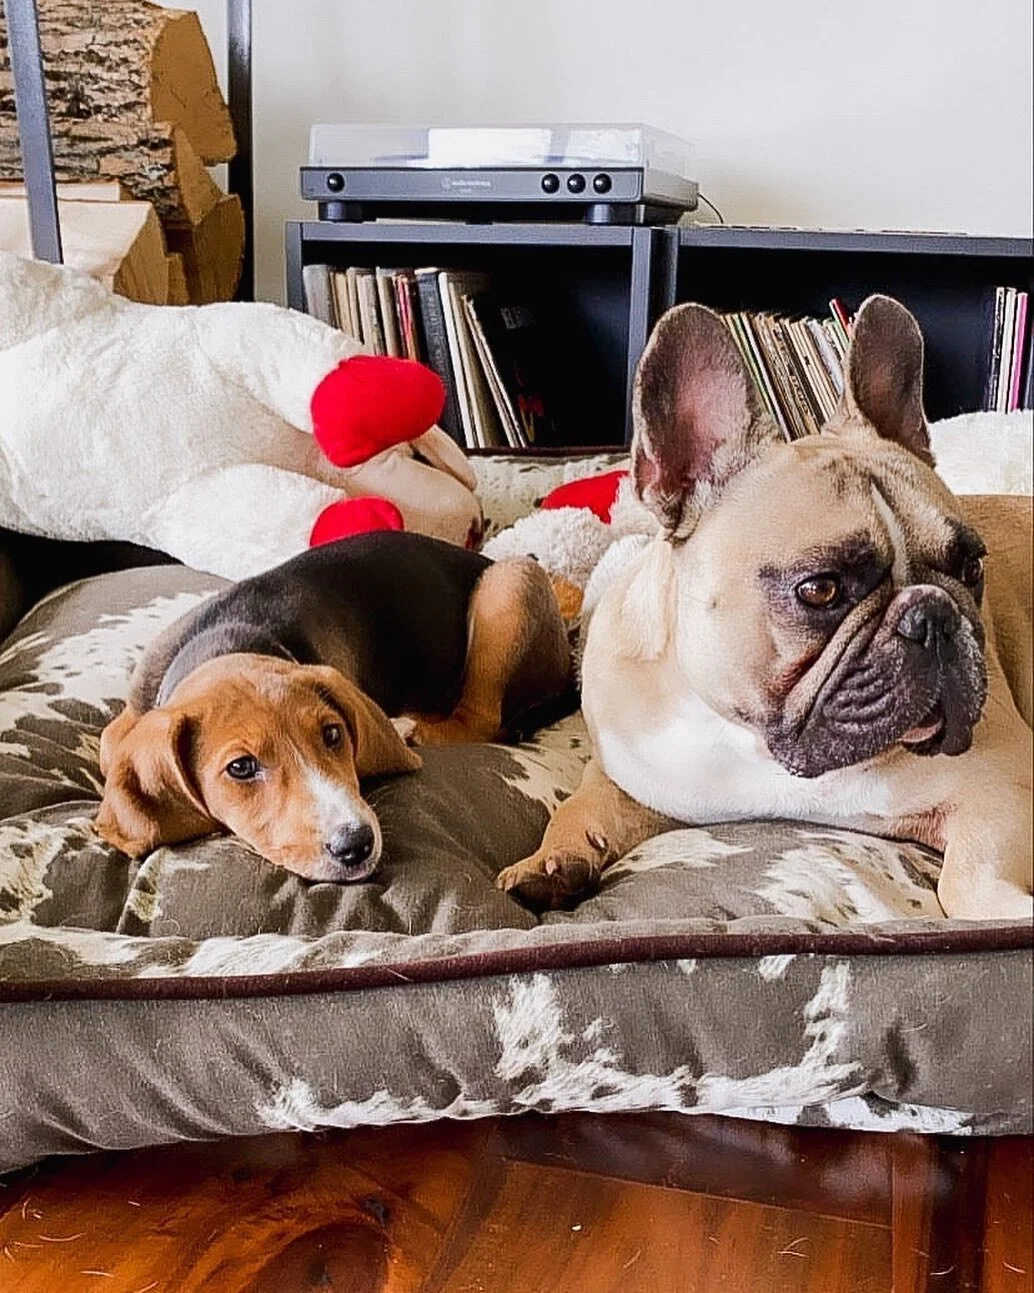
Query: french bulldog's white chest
[689, 763]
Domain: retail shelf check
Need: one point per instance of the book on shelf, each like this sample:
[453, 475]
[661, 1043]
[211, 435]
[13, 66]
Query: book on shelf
[354, 326]
[995, 356]
[1005, 371]
[508, 416]
[436, 348]
[1027, 396]
[317, 282]
[370, 312]
[797, 364]
[1008, 384]
[346, 318]
[482, 428]
[840, 319]
[1021, 348]
[385, 279]
[488, 347]
[408, 306]
[515, 337]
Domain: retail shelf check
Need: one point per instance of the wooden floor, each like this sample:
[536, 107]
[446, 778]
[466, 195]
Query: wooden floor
[575, 1204]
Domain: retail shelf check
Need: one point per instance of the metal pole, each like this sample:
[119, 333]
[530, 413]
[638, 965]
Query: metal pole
[30, 105]
[241, 181]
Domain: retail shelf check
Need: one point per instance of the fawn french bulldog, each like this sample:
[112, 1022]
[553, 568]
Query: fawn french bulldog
[822, 631]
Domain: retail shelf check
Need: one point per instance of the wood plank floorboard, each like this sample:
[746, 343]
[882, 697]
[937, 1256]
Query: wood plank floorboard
[579, 1203]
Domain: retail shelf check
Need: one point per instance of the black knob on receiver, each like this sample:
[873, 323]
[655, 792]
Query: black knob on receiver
[550, 183]
[576, 182]
[335, 181]
[602, 183]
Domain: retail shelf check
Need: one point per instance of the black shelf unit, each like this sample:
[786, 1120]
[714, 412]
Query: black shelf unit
[590, 287]
[946, 280]
[599, 290]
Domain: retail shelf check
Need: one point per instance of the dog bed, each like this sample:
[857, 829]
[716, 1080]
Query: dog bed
[768, 970]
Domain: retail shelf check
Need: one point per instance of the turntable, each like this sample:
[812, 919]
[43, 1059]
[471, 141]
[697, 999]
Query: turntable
[599, 174]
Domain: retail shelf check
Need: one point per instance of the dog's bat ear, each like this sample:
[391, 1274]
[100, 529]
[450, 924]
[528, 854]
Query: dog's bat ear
[379, 750]
[696, 414]
[884, 375]
[150, 798]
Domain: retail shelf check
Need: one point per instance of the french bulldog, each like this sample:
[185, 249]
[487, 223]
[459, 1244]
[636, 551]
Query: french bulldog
[820, 631]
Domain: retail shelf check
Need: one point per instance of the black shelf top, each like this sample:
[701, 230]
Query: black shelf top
[433, 232]
[900, 243]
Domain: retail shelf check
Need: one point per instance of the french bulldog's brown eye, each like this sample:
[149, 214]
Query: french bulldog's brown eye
[972, 571]
[820, 591]
[332, 735]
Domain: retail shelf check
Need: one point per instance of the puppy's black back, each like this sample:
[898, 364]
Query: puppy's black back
[388, 609]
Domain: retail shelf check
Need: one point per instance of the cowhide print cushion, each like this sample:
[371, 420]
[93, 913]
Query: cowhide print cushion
[767, 969]
[512, 485]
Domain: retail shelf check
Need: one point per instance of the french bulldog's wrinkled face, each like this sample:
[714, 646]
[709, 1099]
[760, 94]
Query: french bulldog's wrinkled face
[826, 592]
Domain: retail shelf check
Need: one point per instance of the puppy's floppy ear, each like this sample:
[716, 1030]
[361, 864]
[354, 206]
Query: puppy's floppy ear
[696, 414]
[150, 798]
[884, 374]
[379, 750]
[114, 734]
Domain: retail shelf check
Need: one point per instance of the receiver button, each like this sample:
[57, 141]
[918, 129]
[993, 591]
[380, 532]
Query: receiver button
[550, 183]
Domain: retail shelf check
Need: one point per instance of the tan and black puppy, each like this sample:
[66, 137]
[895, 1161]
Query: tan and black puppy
[261, 711]
[813, 634]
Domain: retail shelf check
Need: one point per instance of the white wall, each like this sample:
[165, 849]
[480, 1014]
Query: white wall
[895, 114]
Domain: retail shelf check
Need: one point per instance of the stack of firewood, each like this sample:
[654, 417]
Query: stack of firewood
[136, 118]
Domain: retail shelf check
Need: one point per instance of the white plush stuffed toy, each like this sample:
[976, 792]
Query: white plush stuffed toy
[230, 436]
[575, 526]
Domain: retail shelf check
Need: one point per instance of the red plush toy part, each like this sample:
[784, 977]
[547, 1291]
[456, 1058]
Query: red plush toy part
[371, 402]
[354, 516]
[597, 493]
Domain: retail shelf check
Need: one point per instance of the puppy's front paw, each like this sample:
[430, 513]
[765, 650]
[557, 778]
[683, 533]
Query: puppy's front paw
[550, 880]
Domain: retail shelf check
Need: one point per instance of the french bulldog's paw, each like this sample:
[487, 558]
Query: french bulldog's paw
[1012, 903]
[995, 899]
[407, 729]
[547, 881]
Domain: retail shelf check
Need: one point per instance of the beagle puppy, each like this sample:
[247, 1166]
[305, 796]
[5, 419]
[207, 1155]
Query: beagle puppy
[261, 711]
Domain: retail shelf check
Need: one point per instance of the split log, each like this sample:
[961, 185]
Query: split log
[120, 243]
[212, 251]
[179, 293]
[154, 162]
[102, 191]
[120, 61]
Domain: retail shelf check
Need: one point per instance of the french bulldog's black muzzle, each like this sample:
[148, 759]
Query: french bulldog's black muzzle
[915, 675]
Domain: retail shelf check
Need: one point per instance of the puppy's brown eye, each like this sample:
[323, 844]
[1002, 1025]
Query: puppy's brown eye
[820, 591]
[332, 735]
[246, 768]
[972, 571]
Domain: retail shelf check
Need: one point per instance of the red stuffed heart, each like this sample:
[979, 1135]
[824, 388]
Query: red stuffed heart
[597, 493]
[354, 516]
[371, 402]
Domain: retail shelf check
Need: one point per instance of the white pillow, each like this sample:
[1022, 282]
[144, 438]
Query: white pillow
[985, 453]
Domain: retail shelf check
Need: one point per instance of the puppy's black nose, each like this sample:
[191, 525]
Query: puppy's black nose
[351, 845]
[930, 623]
